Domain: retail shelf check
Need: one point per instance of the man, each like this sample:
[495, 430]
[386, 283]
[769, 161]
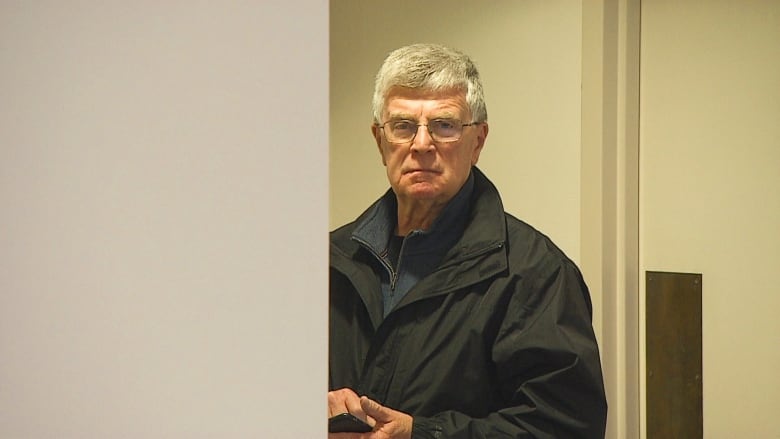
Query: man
[449, 318]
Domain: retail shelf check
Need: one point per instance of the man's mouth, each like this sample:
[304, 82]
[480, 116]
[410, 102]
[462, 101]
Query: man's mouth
[420, 170]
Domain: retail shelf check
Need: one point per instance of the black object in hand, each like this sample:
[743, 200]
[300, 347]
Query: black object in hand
[347, 423]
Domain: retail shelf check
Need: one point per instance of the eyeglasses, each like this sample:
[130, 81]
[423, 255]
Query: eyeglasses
[441, 130]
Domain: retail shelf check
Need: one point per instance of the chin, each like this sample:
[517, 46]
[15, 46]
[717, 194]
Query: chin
[423, 192]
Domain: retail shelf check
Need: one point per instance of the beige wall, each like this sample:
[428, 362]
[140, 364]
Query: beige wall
[710, 182]
[162, 185]
[528, 53]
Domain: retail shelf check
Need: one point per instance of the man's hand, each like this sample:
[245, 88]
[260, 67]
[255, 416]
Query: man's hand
[390, 424]
[387, 423]
[345, 400]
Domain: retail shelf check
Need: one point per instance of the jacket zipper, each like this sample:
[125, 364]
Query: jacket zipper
[394, 273]
[390, 270]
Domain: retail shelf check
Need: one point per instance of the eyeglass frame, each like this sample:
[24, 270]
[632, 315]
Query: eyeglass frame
[428, 128]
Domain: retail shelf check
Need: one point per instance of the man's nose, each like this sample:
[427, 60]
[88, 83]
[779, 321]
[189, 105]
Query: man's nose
[423, 141]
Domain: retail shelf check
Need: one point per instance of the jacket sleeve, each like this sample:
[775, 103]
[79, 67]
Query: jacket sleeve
[547, 365]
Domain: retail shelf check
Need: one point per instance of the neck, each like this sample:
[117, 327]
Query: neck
[417, 216]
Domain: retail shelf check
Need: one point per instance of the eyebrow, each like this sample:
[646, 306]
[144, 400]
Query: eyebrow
[409, 116]
[401, 116]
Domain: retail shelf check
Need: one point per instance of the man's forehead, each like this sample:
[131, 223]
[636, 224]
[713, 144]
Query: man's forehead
[426, 94]
[401, 99]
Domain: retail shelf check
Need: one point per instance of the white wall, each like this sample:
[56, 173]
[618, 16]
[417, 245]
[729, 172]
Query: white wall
[710, 185]
[161, 189]
[529, 56]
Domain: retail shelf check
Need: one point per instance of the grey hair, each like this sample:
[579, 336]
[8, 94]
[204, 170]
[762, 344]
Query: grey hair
[429, 67]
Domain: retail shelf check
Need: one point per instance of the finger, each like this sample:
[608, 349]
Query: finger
[339, 401]
[331, 404]
[375, 410]
[334, 404]
[354, 406]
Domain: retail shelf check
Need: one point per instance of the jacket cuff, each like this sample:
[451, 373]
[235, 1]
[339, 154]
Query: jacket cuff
[426, 428]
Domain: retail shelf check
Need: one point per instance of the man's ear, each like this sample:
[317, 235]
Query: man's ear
[481, 136]
[376, 131]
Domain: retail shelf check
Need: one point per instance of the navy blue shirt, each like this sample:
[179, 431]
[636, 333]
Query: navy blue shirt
[406, 260]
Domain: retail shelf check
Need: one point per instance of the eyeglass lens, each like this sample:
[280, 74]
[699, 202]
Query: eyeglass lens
[442, 130]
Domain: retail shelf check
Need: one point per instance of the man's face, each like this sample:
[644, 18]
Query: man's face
[425, 170]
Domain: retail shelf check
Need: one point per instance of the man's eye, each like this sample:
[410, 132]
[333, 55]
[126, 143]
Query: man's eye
[402, 125]
[445, 124]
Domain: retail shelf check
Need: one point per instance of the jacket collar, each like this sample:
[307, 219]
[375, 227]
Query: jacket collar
[375, 228]
[479, 254]
[473, 258]
[485, 227]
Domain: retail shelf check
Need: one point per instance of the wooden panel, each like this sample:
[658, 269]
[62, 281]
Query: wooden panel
[674, 359]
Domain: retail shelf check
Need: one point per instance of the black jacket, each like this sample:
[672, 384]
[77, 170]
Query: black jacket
[496, 342]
